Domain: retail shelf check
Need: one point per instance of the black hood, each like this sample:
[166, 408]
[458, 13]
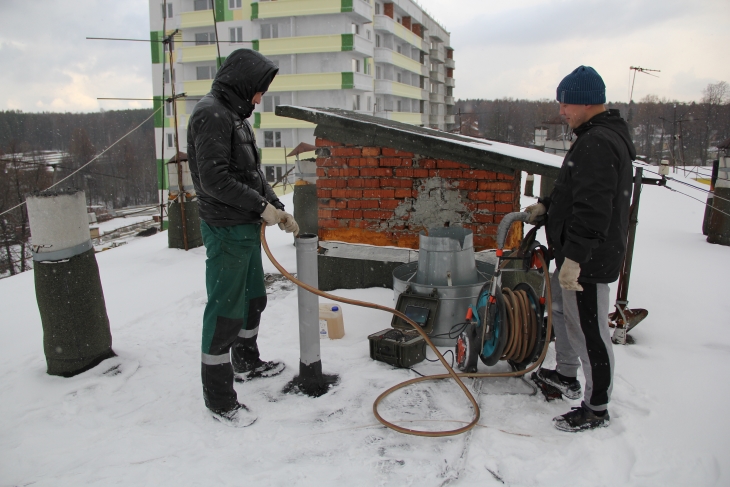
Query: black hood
[611, 119]
[243, 74]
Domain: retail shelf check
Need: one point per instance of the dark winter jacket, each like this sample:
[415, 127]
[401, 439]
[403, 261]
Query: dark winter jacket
[588, 211]
[222, 152]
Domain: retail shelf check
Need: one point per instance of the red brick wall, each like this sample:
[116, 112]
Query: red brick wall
[388, 9]
[382, 196]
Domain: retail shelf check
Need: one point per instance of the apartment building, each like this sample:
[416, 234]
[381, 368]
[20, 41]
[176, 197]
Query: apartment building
[390, 59]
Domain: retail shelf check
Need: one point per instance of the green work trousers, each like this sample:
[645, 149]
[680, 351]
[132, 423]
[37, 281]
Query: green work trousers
[234, 280]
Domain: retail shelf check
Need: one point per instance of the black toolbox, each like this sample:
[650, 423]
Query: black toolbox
[402, 346]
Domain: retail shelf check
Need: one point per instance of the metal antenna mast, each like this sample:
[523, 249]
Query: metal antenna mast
[638, 69]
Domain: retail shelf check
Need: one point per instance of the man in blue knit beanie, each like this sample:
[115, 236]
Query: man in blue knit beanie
[586, 228]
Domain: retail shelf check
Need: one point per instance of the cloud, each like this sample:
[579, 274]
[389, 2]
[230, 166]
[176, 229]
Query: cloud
[569, 20]
[49, 65]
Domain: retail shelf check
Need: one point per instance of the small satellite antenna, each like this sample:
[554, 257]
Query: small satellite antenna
[639, 69]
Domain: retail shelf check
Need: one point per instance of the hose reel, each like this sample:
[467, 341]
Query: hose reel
[506, 324]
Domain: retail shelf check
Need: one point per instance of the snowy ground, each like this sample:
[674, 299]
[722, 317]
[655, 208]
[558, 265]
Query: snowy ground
[139, 419]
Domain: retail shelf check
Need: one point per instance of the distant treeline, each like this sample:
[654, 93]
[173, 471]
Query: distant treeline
[695, 128]
[125, 175]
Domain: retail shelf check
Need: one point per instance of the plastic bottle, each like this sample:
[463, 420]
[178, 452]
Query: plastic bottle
[331, 324]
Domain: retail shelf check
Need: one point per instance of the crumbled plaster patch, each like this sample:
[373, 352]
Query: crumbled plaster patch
[438, 201]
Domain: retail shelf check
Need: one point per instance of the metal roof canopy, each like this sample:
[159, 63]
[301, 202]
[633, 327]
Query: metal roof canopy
[345, 126]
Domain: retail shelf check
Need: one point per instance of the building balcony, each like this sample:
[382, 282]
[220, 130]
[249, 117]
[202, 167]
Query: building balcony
[450, 119]
[449, 63]
[388, 56]
[198, 18]
[383, 23]
[436, 98]
[269, 120]
[436, 56]
[449, 100]
[436, 77]
[295, 8]
[436, 120]
[314, 44]
[404, 117]
[450, 82]
[197, 87]
[388, 87]
[322, 81]
[194, 54]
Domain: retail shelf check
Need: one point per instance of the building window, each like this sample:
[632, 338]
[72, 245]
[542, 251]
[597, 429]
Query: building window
[423, 82]
[367, 31]
[236, 34]
[355, 28]
[378, 72]
[168, 109]
[166, 75]
[377, 8]
[423, 106]
[205, 72]
[270, 174]
[205, 38]
[377, 40]
[400, 106]
[399, 49]
[355, 65]
[356, 102]
[169, 10]
[269, 31]
[271, 102]
[279, 173]
[170, 141]
[398, 78]
[202, 5]
[272, 139]
[370, 105]
[234, 4]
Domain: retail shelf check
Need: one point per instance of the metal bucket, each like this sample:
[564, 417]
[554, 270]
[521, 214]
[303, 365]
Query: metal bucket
[446, 257]
[446, 264]
[454, 300]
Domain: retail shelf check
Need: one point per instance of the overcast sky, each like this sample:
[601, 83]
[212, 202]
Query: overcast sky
[518, 49]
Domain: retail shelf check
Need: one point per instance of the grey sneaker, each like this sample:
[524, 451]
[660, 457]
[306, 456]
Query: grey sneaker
[570, 389]
[238, 417]
[581, 418]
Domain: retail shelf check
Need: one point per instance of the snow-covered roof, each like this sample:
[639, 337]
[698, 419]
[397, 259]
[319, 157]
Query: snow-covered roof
[346, 126]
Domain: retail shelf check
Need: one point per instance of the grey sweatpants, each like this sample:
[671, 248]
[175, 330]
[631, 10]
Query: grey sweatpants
[580, 321]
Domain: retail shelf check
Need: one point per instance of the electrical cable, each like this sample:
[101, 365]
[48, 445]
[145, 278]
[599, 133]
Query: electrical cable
[92, 160]
[451, 374]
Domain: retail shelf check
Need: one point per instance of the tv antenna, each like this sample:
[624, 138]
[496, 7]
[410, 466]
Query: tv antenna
[638, 69]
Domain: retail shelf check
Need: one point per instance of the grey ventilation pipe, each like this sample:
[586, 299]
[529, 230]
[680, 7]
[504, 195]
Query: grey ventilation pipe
[76, 334]
[311, 380]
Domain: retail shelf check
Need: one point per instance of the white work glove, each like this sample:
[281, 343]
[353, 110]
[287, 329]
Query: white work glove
[271, 215]
[288, 223]
[568, 277]
[535, 211]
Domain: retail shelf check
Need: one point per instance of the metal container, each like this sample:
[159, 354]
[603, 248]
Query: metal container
[446, 257]
[455, 300]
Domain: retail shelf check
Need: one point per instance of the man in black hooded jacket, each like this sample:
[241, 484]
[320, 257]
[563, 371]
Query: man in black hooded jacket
[587, 224]
[233, 198]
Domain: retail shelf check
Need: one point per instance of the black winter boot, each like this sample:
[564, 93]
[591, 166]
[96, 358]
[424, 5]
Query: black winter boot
[582, 418]
[246, 362]
[569, 387]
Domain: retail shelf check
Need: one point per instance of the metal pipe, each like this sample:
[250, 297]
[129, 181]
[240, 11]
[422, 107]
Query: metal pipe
[309, 350]
[310, 381]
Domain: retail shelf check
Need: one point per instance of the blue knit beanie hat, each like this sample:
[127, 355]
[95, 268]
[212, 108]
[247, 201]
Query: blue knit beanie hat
[584, 86]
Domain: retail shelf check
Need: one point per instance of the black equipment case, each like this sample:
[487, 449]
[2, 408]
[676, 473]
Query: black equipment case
[402, 346]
